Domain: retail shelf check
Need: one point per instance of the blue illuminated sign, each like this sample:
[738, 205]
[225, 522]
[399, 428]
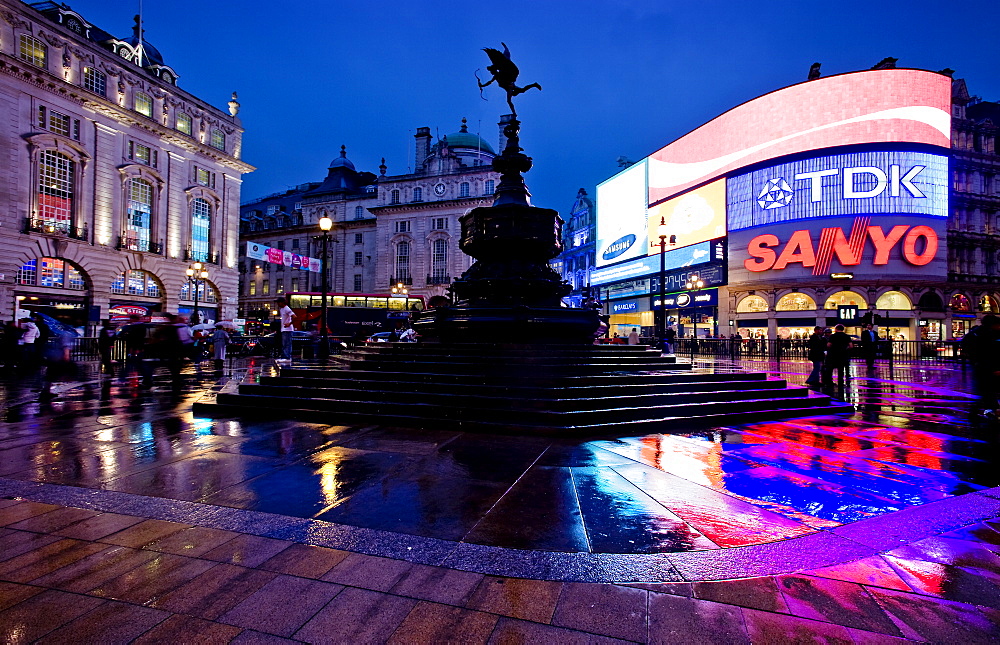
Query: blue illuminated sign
[644, 266]
[858, 183]
[624, 307]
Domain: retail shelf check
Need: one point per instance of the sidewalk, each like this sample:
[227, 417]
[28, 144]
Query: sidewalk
[124, 518]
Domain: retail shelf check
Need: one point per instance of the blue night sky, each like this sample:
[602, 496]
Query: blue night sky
[620, 77]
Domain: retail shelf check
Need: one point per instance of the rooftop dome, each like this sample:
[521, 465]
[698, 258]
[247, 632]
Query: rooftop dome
[342, 161]
[150, 54]
[465, 139]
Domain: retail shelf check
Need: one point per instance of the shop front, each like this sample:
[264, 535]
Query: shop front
[71, 310]
[629, 314]
[692, 313]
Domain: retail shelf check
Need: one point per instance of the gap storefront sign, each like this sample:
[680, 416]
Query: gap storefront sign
[687, 299]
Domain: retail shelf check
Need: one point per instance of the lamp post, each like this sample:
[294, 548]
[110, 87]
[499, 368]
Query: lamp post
[400, 289]
[196, 274]
[325, 224]
[661, 330]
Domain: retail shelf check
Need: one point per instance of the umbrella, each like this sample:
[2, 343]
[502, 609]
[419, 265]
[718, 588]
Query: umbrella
[228, 324]
[201, 327]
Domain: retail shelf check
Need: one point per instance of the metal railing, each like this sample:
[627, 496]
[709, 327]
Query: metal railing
[125, 244]
[797, 349]
[52, 227]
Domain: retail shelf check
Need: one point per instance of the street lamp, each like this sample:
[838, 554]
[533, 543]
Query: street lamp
[196, 274]
[661, 330]
[693, 284]
[325, 224]
[400, 289]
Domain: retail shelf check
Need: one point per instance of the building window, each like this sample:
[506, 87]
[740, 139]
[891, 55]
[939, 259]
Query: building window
[253, 288]
[272, 209]
[358, 284]
[51, 272]
[894, 300]
[463, 189]
[358, 258]
[281, 245]
[295, 243]
[142, 154]
[394, 197]
[418, 194]
[845, 298]
[206, 292]
[960, 302]
[403, 262]
[218, 140]
[359, 212]
[751, 304]
[440, 223]
[32, 51]
[297, 206]
[359, 238]
[143, 104]
[279, 285]
[204, 177]
[55, 190]
[138, 224]
[59, 123]
[439, 259]
[265, 287]
[136, 283]
[403, 226]
[795, 302]
[201, 228]
[295, 284]
[488, 187]
[95, 81]
[183, 123]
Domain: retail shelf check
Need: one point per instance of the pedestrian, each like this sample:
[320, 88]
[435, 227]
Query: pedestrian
[633, 337]
[220, 340]
[817, 352]
[12, 333]
[869, 343]
[287, 326]
[981, 348]
[137, 358]
[106, 338]
[668, 340]
[28, 343]
[838, 356]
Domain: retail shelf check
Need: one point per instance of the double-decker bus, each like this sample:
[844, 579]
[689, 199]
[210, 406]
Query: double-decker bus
[353, 315]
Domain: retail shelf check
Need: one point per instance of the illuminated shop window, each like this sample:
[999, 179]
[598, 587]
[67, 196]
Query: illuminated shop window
[845, 298]
[136, 283]
[51, 272]
[894, 300]
[960, 302]
[32, 51]
[751, 304]
[988, 304]
[795, 302]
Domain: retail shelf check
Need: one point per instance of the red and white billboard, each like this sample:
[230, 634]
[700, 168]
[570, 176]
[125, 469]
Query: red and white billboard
[875, 106]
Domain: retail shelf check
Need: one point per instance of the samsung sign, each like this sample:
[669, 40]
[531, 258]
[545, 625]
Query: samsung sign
[645, 266]
[861, 183]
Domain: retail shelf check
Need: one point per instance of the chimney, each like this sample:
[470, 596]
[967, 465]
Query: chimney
[423, 148]
[504, 120]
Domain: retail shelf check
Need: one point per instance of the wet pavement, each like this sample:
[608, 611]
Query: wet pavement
[881, 521]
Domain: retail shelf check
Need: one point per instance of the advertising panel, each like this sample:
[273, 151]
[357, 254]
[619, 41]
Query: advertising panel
[859, 183]
[676, 259]
[697, 216]
[685, 299]
[627, 289]
[874, 106]
[277, 256]
[710, 275]
[621, 221]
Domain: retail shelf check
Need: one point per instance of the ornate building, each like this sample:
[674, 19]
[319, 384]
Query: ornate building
[576, 261]
[117, 178]
[388, 229]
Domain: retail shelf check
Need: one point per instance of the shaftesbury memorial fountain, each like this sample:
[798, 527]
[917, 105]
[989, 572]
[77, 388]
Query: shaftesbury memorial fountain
[505, 356]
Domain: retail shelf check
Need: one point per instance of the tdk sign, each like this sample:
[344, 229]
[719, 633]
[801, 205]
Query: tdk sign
[862, 183]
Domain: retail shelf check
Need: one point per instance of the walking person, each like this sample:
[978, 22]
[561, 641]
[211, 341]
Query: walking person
[106, 338]
[668, 340]
[817, 353]
[28, 343]
[134, 335]
[869, 343]
[287, 326]
[220, 340]
[633, 337]
[838, 356]
[11, 349]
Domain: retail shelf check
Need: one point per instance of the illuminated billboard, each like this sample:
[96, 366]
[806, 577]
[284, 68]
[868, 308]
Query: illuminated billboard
[621, 216]
[697, 216]
[676, 259]
[875, 106]
[859, 183]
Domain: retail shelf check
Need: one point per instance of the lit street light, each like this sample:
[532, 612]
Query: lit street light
[197, 275]
[661, 328]
[325, 224]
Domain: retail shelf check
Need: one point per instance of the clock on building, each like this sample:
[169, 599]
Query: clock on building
[439, 189]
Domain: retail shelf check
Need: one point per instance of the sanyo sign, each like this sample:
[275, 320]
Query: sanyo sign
[862, 183]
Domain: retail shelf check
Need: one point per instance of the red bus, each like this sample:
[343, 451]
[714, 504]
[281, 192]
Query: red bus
[353, 314]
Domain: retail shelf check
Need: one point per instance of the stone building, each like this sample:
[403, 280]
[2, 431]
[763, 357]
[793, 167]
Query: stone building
[117, 179]
[388, 229]
[576, 261]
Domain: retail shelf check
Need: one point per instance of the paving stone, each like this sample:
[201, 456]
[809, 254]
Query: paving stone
[673, 588]
[269, 608]
[368, 572]
[42, 613]
[510, 631]
[973, 586]
[765, 627]
[438, 584]
[153, 578]
[610, 610]
[110, 622]
[676, 619]
[47, 559]
[214, 592]
[247, 550]
[305, 561]
[24, 510]
[252, 637]
[756, 593]
[144, 533]
[99, 526]
[357, 616]
[11, 593]
[54, 520]
[191, 542]
[95, 570]
[17, 543]
[430, 622]
[533, 600]
[190, 631]
[939, 621]
[835, 601]
[873, 571]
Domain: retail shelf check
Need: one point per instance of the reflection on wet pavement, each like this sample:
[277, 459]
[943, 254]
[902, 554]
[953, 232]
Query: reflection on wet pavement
[911, 442]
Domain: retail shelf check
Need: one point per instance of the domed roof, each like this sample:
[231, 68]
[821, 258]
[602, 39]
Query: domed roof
[465, 139]
[342, 161]
[150, 54]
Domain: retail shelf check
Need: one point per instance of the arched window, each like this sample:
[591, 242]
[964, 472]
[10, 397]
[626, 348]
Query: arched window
[488, 187]
[95, 80]
[418, 194]
[463, 189]
[439, 261]
[201, 228]
[207, 292]
[931, 301]
[845, 298]
[403, 262]
[795, 302]
[960, 302]
[136, 282]
[894, 301]
[51, 272]
[751, 304]
[139, 219]
[184, 123]
[143, 104]
[55, 191]
[988, 304]
[32, 51]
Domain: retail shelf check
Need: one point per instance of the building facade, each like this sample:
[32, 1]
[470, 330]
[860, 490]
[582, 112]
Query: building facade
[576, 261]
[117, 178]
[863, 196]
[388, 229]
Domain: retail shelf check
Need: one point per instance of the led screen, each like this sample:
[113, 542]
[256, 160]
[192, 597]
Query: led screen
[676, 259]
[697, 216]
[897, 105]
[860, 183]
[621, 220]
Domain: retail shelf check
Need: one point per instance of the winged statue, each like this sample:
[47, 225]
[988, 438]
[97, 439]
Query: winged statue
[505, 73]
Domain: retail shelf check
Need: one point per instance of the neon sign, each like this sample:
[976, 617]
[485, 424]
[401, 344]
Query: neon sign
[919, 247]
